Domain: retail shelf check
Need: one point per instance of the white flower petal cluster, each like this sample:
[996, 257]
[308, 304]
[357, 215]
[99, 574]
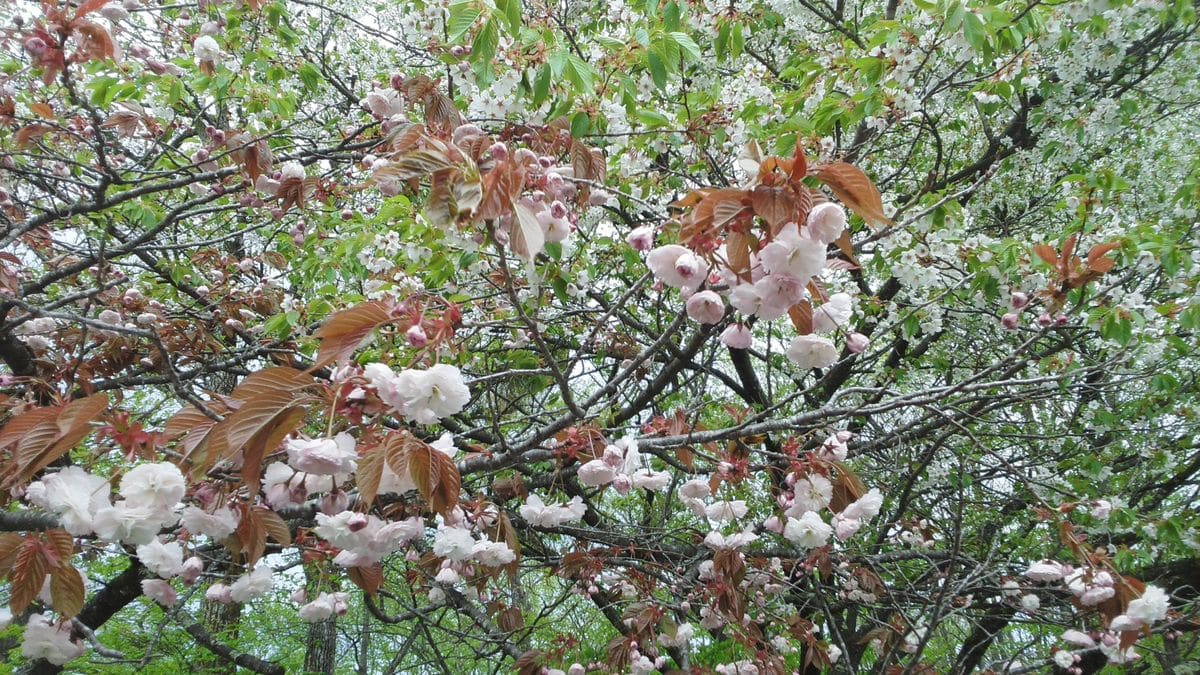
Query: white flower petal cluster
[217, 524]
[72, 494]
[365, 539]
[807, 531]
[165, 560]
[323, 456]
[50, 641]
[421, 396]
[151, 492]
[812, 351]
[252, 585]
[325, 605]
[540, 514]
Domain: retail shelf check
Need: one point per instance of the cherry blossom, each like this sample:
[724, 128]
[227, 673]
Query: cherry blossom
[812, 351]
[51, 641]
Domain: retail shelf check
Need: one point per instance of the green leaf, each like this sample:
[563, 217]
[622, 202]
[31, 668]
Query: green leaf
[463, 16]
[975, 33]
[483, 48]
[738, 41]
[511, 11]
[580, 124]
[580, 74]
[671, 16]
[310, 76]
[658, 70]
[690, 49]
[541, 85]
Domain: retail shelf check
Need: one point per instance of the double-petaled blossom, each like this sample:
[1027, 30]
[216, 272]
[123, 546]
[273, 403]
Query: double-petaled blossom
[365, 539]
[790, 253]
[252, 585]
[826, 222]
[72, 494]
[540, 514]
[812, 493]
[165, 560]
[833, 313]
[323, 456]
[45, 639]
[324, 606]
[705, 307]
[812, 351]
[422, 396]
[676, 266]
[216, 524]
[807, 531]
[160, 591]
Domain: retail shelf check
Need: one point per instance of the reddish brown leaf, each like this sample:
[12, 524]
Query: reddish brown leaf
[434, 474]
[1097, 253]
[529, 663]
[369, 473]
[501, 186]
[345, 331]
[277, 530]
[251, 535]
[369, 579]
[847, 248]
[57, 432]
[801, 316]
[852, 187]
[10, 543]
[776, 205]
[66, 591]
[799, 162]
[30, 133]
[28, 574]
[1046, 253]
[737, 250]
[43, 110]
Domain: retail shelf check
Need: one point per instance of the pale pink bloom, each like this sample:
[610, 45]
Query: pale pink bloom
[320, 609]
[493, 553]
[705, 307]
[1030, 602]
[777, 293]
[596, 473]
[160, 591]
[323, 456]
[72, 494]
[206, 49]
[1151, 607]
[716, 540]
[447, 576]
[165, 560]
[792, 254]
[833, 314]
[641, 239]
[676, 266]
[1078, 638]
[812, 351]
[737, 336]
[1101, 508]
[454, 543]
[826, 222]
[773, 524]
[159, 485]
[696, 488]
[49, 640]
[218, 524]
[219, 593]
[807, 531]
[857, 343]
[539, 514]
[1121, 623]
[131, 523]
[291, 170]
[1064, 658]
[654, 481]
[727, 510]
[865, 507]
[193, 567]
[430, 395]
[846, 527]
[1046, 570]
[1096, 595]
[812, 493]
[253, 585]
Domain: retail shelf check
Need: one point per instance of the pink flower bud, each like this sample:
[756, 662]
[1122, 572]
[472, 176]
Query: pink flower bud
[36, 46]
[1045, 320]
[498, 151]
[687, 266]
[1019, 300]
[416, 336]
[334, 503]
[622, 484]
[356, 522]
[641, 239]
[1060, 320]
[1010, 321]
[857, 343]
[192, 568]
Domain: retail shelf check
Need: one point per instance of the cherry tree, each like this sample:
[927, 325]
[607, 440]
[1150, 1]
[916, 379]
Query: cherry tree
[573, 337]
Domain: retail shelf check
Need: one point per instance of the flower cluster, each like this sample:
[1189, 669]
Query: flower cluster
[621, 466]
[779, 275]
[421, 396]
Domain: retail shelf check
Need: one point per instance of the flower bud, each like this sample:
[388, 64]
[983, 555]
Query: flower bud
[1010, 321]
[857, 343]
[1019, 300]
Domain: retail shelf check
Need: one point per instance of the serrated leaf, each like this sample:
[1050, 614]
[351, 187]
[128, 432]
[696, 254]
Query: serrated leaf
[463, 16]
[345, 331]
[690, 49]
[658, 70]
[541, 86]
[852, 187]
[66, 591]
[483, 47]
[28, 574]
